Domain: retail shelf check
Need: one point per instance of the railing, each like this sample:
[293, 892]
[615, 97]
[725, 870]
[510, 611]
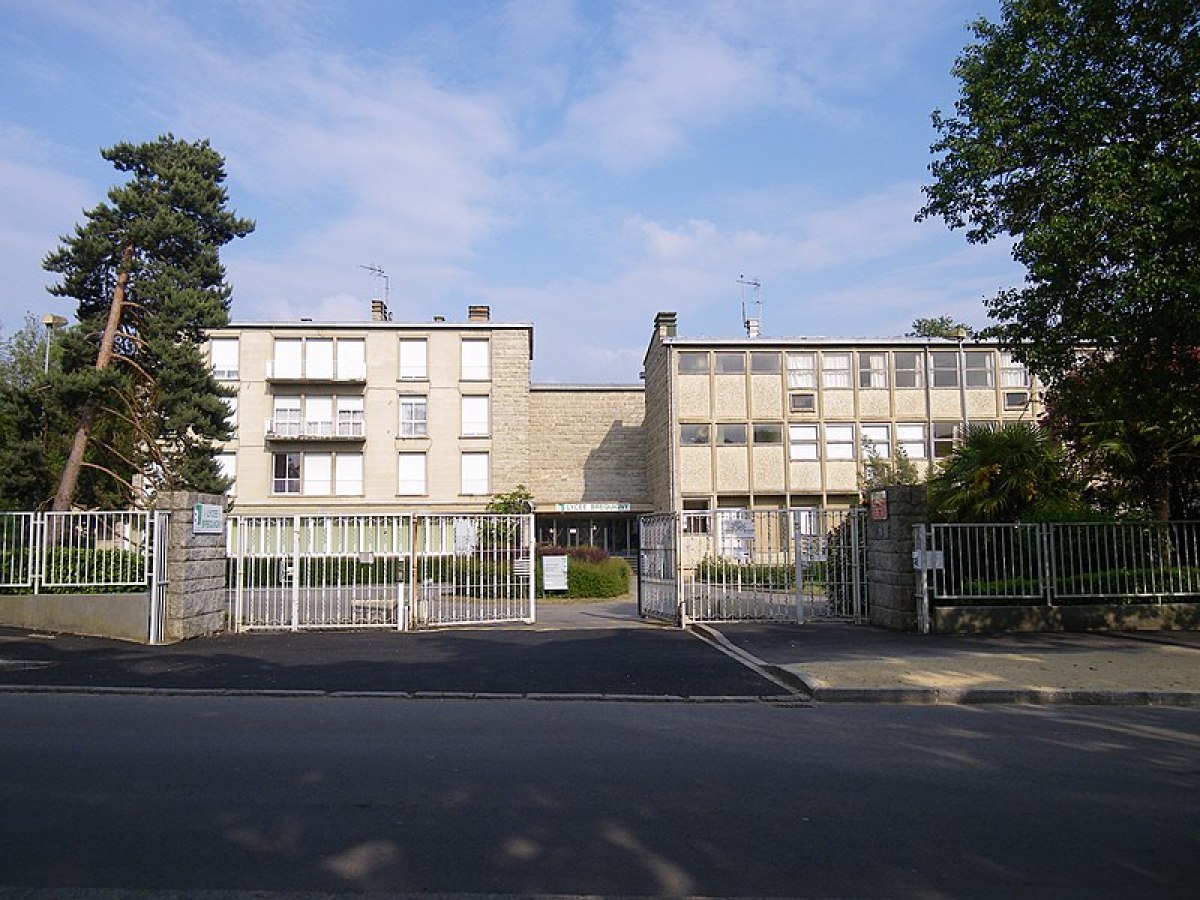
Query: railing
[290, 428]
[98, 552]
[1060, 563]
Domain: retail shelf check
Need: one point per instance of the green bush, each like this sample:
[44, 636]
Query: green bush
[591, 580]
[721, 570]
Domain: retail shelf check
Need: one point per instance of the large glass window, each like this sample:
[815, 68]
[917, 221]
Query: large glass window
[802, 442]
[839, 442]
[223, 353]
[802, 371]
[286, 417]
[476, 365]
[835, 370]
[981, 371]
[286, 473]
[731, 363]
[872, 369]
[475, 419]
[945, 434]
[475, 473]
[877, 439]
[909, 368]
[911, 439]
[1012, 373]
[944, 366]
[412, 474]
[413, 422]
[693, 362]
[695, 434]
[768, 433]
[413, 361]
[350, 421]
[731, 434]
[764, 363]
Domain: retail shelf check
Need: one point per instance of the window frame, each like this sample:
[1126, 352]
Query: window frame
[832, 374]
[419, 426]
[475, 370]
[410, 370]
[872, 377]
[474, 426]
[400, 474]
[802, 435]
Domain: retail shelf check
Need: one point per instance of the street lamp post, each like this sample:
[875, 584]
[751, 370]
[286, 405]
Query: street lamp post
[51, 321]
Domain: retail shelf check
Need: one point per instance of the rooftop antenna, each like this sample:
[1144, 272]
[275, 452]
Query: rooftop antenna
[753, 324]
[379, 273]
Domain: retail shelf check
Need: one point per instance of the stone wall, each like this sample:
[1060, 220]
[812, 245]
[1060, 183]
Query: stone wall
[891, 576]
[195, 596]
[589, 444]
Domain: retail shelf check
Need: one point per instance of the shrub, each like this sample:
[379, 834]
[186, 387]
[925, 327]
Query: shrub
[587, 580]
[583, 553]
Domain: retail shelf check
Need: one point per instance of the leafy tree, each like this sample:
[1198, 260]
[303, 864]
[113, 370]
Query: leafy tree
[518, 500]
[939, 327]
[879, 472]
[999, 473]
[146, 273]
[1076, 134]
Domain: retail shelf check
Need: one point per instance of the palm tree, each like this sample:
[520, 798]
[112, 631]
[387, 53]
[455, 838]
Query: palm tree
[999, 473]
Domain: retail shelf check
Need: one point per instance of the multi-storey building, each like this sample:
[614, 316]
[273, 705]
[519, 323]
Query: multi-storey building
[379, 415]
[777, 423]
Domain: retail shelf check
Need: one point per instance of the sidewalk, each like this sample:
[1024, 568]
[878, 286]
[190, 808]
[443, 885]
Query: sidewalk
[837, 662]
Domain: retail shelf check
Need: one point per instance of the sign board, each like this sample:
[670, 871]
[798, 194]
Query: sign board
[554, 573]
[592, 507]
[208, 518]
[879, 511]
[926, 560]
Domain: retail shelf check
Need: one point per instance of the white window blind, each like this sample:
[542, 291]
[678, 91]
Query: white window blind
[351, 359]
[412, 474]
[475, 475]
[318, 358]
[413, 358]
[287, 362]
[318, 474]
[475, 421]
[348, 474]
[476, 364]
[224, 355]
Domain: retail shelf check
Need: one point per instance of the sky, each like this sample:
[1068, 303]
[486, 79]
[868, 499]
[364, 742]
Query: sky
[577, 165]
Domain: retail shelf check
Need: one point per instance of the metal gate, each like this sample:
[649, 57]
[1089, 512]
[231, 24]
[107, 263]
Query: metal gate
[395, 571]
[790, 565]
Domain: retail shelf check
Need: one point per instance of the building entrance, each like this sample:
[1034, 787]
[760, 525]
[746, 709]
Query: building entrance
[618, 534]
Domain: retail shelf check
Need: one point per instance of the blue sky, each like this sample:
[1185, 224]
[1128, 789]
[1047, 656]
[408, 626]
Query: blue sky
[578, 165]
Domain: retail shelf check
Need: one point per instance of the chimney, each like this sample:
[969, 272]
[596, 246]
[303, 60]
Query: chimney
[380, 312]
[479, 313]
[664, 324]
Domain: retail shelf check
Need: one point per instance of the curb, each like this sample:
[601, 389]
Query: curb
[793, 682]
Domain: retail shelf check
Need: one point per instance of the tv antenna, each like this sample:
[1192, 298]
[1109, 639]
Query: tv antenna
[379, 273]
[753, 323]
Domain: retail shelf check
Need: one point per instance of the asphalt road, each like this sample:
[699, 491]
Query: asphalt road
[144, 793]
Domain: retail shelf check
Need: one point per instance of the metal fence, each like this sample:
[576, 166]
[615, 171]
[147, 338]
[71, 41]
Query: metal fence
[87, 553]
[379, 571]
[766, 565]
[1059, 563]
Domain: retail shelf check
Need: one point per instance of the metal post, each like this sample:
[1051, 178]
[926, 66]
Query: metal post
[527, 536]
[295, 573]
[796, 520]
[921, 539]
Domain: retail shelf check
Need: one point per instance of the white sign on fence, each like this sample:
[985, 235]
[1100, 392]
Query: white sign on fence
[554, 573]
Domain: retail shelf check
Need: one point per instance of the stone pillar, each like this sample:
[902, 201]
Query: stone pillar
[890, 573]
[195, 604]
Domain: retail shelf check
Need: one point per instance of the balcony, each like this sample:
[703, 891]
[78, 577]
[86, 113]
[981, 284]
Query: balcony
[355, 375]
[325, 431]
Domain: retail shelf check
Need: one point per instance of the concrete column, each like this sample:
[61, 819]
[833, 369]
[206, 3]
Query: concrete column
[890, 573]
[195, 570]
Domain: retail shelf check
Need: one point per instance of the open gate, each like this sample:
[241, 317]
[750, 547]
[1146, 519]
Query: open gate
[394, 571]
[723, 565]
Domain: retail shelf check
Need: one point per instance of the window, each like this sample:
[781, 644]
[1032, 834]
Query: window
[872, 370]
[318, 416]
[835, 370]
[731, 363]
[318, 474]
[1012, 373]
[802, 370]
[351, 360]
[348, 474]
[802, 442]
[802, 402]
[876, 439]
[287, 363]
[839, 442]
[911, 439]
[412, 474]
[696, 517]
[476, 364]
[944, 436]
[764, 363]
[223, 353]
[695, 434]
[350, 421]
[286, 417]
[475, 419]
[318, 358]
[286, 473]
[413, 421]
[693, 362]
[227, 467]
[413, 358]
[475, 476]
[231, 403]
[768, 433]
[1016, 399]
[944, 366]
[731, 435]
[981, 369]
[910, 373]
